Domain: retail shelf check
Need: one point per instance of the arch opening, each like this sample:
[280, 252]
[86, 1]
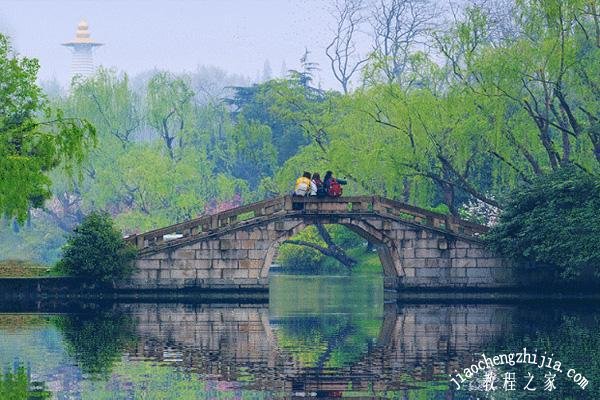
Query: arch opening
[375, 246]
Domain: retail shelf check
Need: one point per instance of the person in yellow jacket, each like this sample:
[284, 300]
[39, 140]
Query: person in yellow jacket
[302, 187]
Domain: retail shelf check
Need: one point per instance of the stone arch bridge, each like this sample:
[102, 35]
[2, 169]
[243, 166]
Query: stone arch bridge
[234, 249]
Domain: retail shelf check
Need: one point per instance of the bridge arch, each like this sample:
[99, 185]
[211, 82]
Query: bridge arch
[234, 249]
[388, 254]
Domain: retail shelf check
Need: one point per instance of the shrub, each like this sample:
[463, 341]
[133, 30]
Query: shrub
[555, 221]
[97, 250]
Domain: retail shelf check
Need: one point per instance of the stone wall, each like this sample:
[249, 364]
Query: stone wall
[411, 256]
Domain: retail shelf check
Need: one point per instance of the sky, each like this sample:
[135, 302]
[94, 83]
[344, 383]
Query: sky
[235, 35]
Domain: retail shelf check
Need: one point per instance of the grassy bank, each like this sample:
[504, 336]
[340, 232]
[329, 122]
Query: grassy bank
[23, 269]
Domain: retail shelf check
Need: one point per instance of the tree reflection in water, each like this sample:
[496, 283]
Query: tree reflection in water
[96, 340]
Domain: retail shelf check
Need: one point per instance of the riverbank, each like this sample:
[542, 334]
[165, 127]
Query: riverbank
[23, 269]
[70, 288]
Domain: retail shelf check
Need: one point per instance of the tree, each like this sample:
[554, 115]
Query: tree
[341, 51]
[96, 250]
[34, 137]
[398, 26]
[170, 105]
[554, 222]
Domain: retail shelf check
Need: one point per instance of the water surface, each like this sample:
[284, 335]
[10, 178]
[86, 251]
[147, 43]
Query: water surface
[317, 337]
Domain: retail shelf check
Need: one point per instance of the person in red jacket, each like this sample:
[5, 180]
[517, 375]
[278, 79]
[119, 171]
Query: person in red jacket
[332, 185]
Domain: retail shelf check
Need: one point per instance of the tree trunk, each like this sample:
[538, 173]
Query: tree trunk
[332, 250]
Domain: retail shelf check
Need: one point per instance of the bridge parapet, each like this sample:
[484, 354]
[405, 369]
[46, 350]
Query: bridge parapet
[307, 205]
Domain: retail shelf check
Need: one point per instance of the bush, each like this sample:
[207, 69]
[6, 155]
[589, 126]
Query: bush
[97, 250]
[555, 221]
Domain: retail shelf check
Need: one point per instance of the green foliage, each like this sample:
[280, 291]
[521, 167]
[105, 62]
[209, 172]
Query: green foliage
[300, 258]
[96, 250]
[34, 137]
[554, 221]
[17, 385]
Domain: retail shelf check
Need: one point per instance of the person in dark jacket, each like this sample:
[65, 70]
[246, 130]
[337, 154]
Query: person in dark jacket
[328, 179]
[317, 187]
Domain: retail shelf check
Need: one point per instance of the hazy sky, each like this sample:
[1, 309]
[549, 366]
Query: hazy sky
[236, 35]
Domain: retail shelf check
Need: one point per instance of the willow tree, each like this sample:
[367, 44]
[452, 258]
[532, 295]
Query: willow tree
[34, 137]
[536, 86]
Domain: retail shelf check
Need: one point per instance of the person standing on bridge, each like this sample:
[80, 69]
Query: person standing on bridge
[303, 183]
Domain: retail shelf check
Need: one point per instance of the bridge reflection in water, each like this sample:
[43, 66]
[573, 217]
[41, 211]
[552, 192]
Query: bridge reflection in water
[391, 348]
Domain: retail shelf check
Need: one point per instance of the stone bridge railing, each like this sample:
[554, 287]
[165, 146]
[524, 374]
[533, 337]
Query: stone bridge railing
[289, 205]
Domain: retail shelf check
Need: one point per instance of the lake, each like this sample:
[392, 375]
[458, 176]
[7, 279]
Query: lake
[317, 337]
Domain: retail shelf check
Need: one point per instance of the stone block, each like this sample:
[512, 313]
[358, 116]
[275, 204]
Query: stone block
[256, 254]
[183, 273]
[421, 244]
[179, 264]
[433, 243]
[250, 264]
[458, 272]
[428, 272]
[476, 253]
[412, 263]
[235, 273]
[248, 244]
[164, 274]
[432, 262]
[459, 244]
[242, 235]
[227, 244]
[234, 254]
[222, 264]
[396, 234]
[255, 234]
[427, 253]
[184, 254]
[441, 262]
[458, 253]
[147, 264]
[463, 263]
[408, 252]
[409, 272]
[215, 273]
[157, 256]
[261, 245]
[442, 244]
[206, 254]
[204, 273]
[409, 234]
